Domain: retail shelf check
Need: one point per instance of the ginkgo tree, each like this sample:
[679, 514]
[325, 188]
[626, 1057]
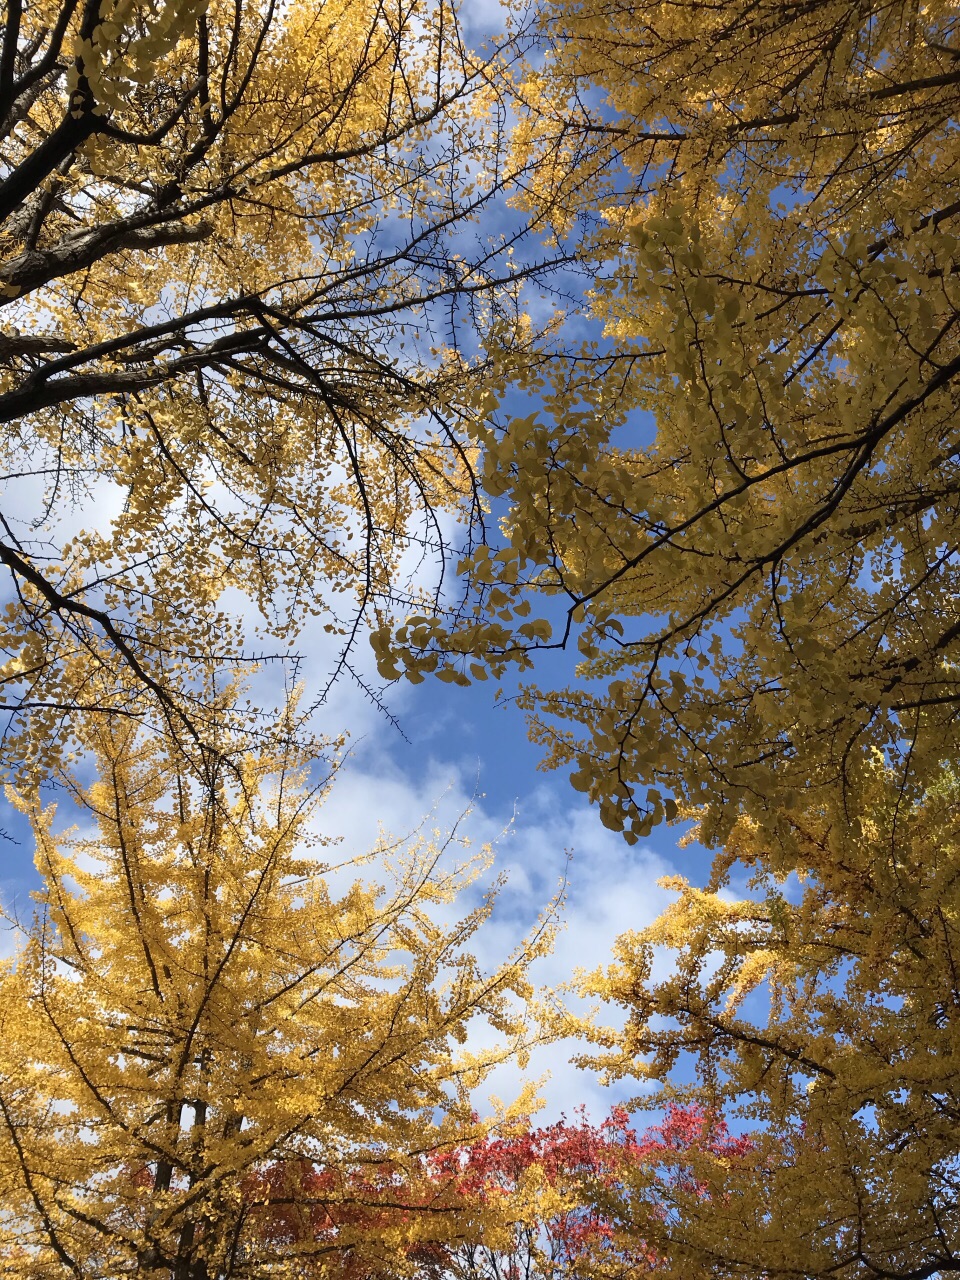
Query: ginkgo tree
[243, 301]
[825, 1017]
[742, 506]
[209, 993]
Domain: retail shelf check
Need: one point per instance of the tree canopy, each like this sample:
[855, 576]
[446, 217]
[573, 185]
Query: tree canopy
[244, 302]
[826, 1022]
[214, 1021]
[743, 504]
[246, 312]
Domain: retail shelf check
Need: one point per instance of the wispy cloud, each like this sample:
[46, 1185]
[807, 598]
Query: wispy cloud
[610, 888]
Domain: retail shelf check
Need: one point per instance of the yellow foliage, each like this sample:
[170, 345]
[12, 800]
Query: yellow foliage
[842, 1063]
[227, 235]
[745, 497]
[210, 1000]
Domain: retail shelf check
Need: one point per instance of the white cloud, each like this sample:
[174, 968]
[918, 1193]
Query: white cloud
[610, 889]
[13, 908]
[483, 17]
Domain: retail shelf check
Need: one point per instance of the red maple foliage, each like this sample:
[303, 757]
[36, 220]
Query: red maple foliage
[581, 1160]
[335, 1222]
[590, 1163]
